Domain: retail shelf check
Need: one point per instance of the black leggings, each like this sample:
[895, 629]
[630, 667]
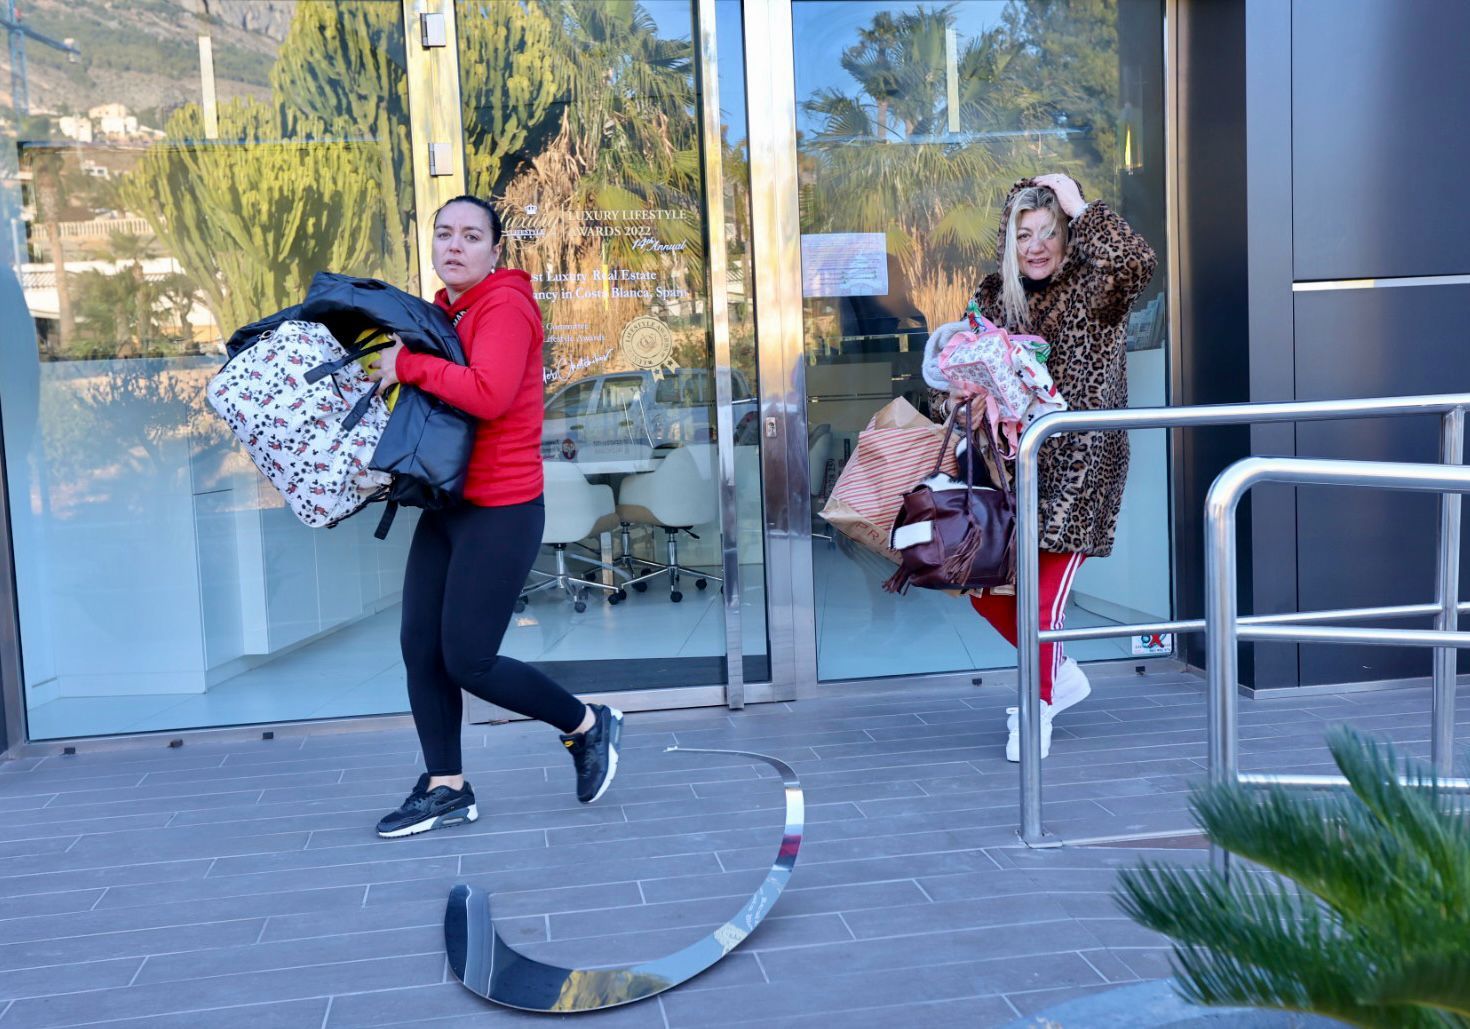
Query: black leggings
[466, 567]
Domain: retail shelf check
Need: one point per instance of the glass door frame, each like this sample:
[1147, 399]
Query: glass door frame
[776, 238]
[770, 77]
[439, 174]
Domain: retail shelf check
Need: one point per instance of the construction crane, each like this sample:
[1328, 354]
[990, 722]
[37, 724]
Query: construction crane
[20, 91]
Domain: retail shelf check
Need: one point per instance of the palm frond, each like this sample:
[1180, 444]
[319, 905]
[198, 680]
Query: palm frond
[1362, 914]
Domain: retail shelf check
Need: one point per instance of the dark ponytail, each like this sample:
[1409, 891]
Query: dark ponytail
[484, 205]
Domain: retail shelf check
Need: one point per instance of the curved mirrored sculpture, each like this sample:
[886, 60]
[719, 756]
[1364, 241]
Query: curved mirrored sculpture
[489, 966]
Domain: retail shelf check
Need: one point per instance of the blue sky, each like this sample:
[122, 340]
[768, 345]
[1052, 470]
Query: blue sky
[822, 30]
[674, 21]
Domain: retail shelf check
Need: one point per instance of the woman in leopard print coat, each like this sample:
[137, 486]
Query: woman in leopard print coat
[1069, 272]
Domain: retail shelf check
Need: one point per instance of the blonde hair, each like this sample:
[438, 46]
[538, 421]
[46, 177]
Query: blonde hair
[1012, 293]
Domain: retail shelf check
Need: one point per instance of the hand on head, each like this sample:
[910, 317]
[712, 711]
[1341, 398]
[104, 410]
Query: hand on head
[1069, 195]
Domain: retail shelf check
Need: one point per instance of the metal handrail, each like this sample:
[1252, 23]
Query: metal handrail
[1223, 629]
[1450, 407]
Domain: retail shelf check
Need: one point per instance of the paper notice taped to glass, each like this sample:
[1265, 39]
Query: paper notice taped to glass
[844, 264]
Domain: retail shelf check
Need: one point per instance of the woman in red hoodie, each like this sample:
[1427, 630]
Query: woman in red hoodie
[467, 564]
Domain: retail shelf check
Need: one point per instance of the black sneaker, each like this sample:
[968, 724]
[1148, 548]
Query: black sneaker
[595, 752]
[430, 809]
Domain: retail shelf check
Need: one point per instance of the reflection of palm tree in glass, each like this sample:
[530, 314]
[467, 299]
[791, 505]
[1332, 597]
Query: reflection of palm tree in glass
[628, 134]
[884, 159]
[129, 250]
[46, 167]
[624, 139]
[871, 63]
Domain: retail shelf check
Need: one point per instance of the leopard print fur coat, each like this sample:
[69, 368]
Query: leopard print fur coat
[1083, 313]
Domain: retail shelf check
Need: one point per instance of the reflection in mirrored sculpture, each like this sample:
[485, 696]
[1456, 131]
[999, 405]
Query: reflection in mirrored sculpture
[495, 970]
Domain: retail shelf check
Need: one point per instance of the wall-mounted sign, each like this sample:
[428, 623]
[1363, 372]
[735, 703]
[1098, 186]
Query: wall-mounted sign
[844, 264]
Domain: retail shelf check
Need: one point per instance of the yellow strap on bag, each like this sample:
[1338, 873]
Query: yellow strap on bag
[367, 338]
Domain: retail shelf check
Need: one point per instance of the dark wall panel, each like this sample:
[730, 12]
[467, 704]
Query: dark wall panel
[1211, 356]
[1360, 547]
[1272, 556]
[1379, 142]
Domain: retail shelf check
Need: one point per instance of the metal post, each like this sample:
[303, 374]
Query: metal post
[775, 272]
[1447, 594]
[1028, 642]
[714, 200]
[1220, 627]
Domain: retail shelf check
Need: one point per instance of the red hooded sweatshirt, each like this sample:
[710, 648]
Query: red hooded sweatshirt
[502, 385]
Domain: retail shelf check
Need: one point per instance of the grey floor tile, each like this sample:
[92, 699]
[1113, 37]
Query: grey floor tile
[969, 1013]
[298, 1014]
[646, 872]
[566, 900]
[45, 824]
[265, 957]
[1030, 1002]
[1000, 882]
[457, 1006]
[1146, 962]
[129, 943]
[1110, 966]
[842, 993]
[1013, 910]
[64, 783]
[1119, 931]
[203, 994]
[72, 977]
[114, 875]
[47, 904]
[427, 909]
[899, 953]
[129, 805]
[370, 850]
[267, 884]
[574, 855]
[26, 802]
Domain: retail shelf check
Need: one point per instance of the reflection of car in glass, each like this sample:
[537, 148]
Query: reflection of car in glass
[606, 414]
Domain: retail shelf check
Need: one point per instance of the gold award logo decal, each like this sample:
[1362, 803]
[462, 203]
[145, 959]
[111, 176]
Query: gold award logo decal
[648, 343]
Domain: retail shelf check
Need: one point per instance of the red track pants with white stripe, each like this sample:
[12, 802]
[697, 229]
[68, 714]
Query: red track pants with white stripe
[1057, 573]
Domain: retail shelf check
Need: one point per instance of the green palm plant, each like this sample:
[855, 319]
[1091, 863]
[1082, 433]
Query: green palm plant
[1362, 914]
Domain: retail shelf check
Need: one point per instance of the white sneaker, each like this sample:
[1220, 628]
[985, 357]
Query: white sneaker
[1069, 687]
[1013, 723]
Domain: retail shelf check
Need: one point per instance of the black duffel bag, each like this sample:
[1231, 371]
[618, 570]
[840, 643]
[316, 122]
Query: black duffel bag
[426, 444]
[953, 533]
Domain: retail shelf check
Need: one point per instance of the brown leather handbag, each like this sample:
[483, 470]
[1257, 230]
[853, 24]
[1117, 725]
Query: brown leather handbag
[957, 534]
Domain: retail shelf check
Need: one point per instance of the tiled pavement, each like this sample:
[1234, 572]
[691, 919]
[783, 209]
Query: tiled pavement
[240, 884]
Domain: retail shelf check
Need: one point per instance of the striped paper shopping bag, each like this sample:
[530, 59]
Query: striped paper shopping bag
[893, 453]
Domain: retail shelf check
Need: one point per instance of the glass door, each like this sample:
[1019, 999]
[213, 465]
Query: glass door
[913, 120]
[587, 125]
[210, 166]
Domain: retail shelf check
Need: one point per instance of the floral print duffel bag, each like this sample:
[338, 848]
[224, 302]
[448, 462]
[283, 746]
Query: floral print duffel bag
[310, 418]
